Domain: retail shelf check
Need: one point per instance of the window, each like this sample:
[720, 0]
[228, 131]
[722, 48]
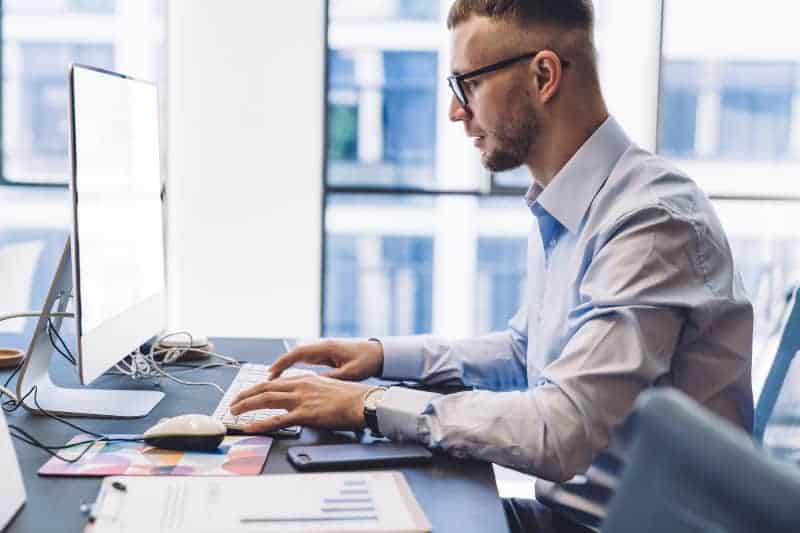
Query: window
[756, 110]
[501, 280]
[679, 99]
[725, 110]
[40, 39]
[381, 117]
[730, 111]
[419, 237]
[395, 263]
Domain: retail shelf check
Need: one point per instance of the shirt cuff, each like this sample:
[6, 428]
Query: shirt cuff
[400, 410]
[403, 357]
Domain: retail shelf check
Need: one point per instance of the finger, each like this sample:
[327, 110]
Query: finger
[266, 400]
[285, 361]
[274, 423]
[313, 353]
[278, 385]
[338, 373]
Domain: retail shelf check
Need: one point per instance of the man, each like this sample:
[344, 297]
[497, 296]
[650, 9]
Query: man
[631, 279]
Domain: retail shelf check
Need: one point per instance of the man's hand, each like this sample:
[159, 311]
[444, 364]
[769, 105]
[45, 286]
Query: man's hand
[352, 360]
[310, 401]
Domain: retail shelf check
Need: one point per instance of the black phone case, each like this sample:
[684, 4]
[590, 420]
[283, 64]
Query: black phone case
[292, 432]
[335, 456]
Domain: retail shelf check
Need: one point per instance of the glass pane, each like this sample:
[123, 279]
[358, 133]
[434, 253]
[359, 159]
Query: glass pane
[731, 100]
[382, 131]
[501, 275]
[387, 99]
[679, 97]
[730, 112]
[767, 254]
[412, 264]
[349, 10]
[33, 230]
[40, 39]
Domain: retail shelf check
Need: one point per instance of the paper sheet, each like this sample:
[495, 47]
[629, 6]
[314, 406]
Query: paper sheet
[354, 502]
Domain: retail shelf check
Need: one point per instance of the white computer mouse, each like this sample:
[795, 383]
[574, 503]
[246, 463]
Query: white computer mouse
[186, 432]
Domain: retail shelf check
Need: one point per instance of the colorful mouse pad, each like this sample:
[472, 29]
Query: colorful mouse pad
[236, 456]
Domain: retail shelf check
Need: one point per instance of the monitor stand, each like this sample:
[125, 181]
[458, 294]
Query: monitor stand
[63, 401]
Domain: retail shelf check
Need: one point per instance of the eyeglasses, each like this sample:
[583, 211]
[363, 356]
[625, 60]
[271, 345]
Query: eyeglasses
[457, 82]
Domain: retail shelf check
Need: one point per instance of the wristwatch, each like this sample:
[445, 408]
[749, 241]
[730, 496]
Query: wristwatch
[371, 400]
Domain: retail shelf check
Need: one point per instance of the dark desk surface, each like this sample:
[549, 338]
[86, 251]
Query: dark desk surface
[456, 495]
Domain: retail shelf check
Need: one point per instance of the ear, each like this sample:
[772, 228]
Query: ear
[547, 72]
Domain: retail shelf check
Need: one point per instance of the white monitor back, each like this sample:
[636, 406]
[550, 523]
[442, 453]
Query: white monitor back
[117, 238]
[12, 490]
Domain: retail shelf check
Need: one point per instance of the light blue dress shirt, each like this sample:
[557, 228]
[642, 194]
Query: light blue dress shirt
[631, 284]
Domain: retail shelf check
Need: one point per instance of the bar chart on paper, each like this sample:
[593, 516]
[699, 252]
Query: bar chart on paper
[374, 501]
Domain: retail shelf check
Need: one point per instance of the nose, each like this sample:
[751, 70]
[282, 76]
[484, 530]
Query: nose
[457, 112]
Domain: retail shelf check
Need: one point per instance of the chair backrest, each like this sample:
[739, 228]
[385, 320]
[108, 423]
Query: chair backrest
[788, 347]
[689, 470]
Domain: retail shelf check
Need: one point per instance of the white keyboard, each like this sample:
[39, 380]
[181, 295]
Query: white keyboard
[249, 375]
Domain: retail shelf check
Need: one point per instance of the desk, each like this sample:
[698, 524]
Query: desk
[456, 495]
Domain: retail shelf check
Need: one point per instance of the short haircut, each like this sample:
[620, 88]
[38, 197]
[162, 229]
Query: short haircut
[567, 14]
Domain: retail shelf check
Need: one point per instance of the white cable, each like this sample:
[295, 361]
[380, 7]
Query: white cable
[225, 358]
[145, 366]
[184, 382]
[8, 393]
[27, 314]
[33, 314]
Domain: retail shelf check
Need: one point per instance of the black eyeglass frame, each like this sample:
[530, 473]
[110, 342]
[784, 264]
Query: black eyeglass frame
[455, 81]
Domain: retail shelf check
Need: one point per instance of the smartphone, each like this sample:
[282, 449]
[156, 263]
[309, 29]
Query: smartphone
[336, 456]
[291, 432]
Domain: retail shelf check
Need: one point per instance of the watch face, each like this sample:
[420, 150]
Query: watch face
[372, 399]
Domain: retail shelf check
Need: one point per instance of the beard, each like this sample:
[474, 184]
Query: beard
[512, 141]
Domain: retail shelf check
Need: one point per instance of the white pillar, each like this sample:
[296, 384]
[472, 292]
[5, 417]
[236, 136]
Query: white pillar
[245, 167]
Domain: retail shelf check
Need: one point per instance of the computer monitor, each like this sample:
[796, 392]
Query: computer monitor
[13, 487]
[116, 251]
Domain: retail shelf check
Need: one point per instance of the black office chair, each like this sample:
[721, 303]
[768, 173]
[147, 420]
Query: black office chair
[687, 470]
[788, 347]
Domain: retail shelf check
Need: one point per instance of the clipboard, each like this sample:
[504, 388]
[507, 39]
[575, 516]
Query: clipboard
[333, 502]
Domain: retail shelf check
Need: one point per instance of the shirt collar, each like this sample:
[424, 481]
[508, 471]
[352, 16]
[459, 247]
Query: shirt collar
[570, 193]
